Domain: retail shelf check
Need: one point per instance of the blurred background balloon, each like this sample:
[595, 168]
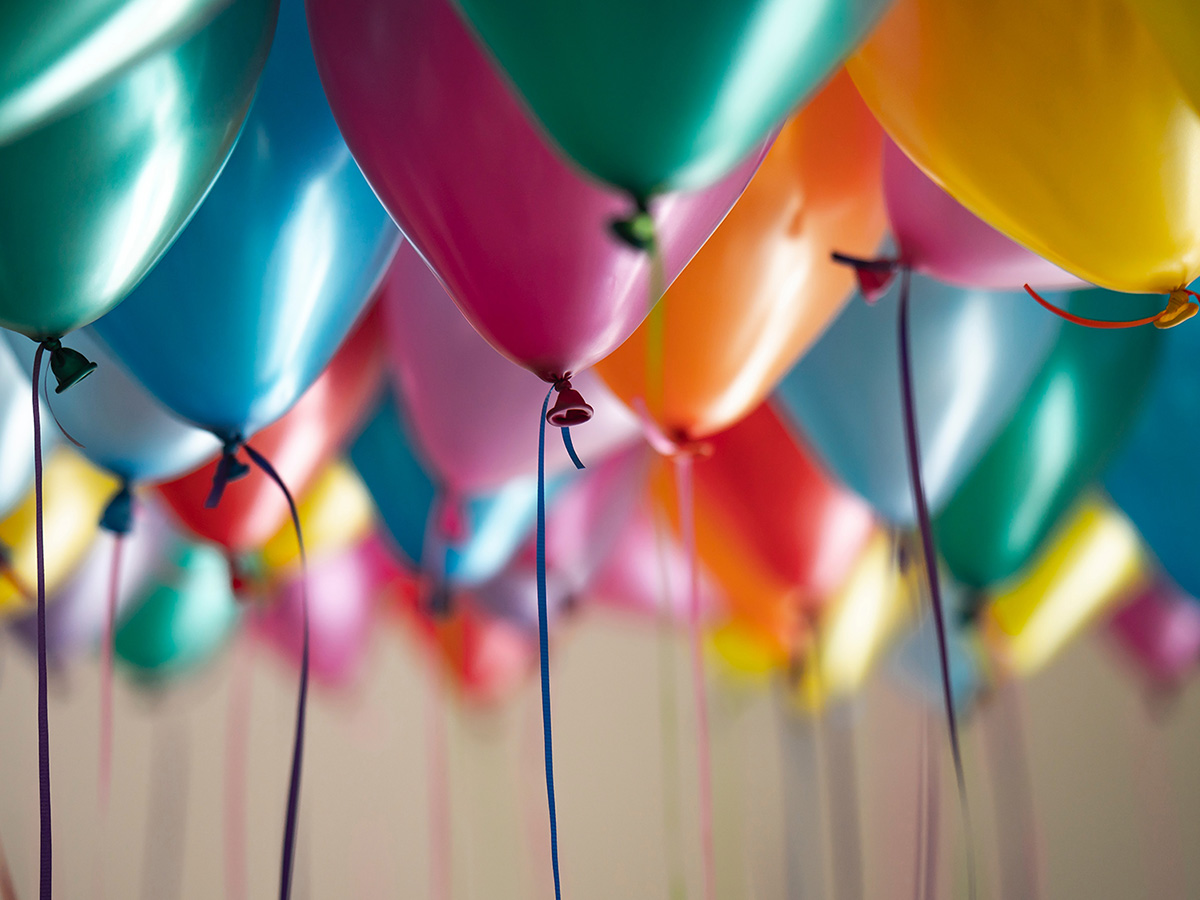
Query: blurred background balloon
[251, 303]
[974, 354]
[16, 432]
[1158, 632]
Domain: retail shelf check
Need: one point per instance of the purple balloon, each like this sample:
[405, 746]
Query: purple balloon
[1159, 630]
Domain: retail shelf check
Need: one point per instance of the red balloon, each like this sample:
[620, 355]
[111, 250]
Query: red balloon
[298, 445]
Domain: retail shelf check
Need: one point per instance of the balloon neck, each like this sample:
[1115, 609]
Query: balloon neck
[441, 601]
[637, 230]
[1180, 308]
[569, 409]
[229, 468]
[677, 443]
[118, 514]
[874, 276]
[69, 366]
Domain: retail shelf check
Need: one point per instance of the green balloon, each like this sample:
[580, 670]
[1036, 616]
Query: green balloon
[55, 51]
[656, 95]
[94, 195]
[183, 621]
[1075, 415]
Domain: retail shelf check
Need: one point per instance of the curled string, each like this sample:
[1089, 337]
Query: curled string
[293, 800]
[54, 416]
[912, 445]
[47, 852]
[106, 675]
[685, 489]
[1094, 323]
[566, 436]
[544, 645]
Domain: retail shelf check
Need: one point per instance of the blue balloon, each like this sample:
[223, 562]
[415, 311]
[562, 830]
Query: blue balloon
[250, 304]
[916, 662]
[974, 354]
[494, 525]
[1154, 479]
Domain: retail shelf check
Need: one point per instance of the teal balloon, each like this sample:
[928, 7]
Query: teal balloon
[657, 95]
[974, 354]
[250, 304]
[95, 193]
[183, 621]
[56, 51]
[1057, 442]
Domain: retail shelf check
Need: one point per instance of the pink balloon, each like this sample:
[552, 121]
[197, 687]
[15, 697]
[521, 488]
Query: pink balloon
[474, 413]
[519, 237]
[343, 593]
[1160, 631]
[941, 238]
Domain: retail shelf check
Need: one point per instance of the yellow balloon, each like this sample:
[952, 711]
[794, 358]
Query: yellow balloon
[1059, 123]
[1095, 562]
[1175, 25]
[75, 494]
[335, 513]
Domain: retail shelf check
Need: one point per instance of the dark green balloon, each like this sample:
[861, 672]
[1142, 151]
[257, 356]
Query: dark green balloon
[1075, 415]
[93, 196]
[655, 95]
[183, 621]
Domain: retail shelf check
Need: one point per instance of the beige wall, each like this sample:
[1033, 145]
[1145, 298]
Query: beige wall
[365, 806]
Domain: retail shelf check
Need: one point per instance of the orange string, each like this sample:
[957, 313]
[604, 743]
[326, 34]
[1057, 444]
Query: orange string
[1091, 323]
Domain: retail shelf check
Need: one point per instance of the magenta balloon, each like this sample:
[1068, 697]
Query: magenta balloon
[474, 413]
[941, 238]
[519, 237]
[1160, 631]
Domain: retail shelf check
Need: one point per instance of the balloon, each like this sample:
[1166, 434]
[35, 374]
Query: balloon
[764, 287]
[98, 190]
[299, 445]
[16, 433]
[777, 534]
[77, 613]
[1161, 499]
[183, 621]
[468, 406]
[343, 593]
[248, 307]
[974, 354]
[1057, 441]
[941, 238]
[654, 95]
[1159, 632]
[514, 233]
[121, 426]
[75, 493]
[1175, 26]
[56, 52]
[1095, 562]
[336, 514]
[1057, 123]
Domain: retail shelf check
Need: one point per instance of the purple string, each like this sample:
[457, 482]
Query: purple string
[293, 801]
[912, 445]
[47, 853]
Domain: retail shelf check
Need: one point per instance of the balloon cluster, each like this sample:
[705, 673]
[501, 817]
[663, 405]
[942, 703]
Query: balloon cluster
[827, 338]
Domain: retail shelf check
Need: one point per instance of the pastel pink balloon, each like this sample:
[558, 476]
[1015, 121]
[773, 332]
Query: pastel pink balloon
[1160, 631]
[343, 594]
[519, 237]
[474, 414]
[941, 238]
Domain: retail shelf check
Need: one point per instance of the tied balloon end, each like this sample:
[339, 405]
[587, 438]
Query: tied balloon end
[118, 514]
[69, 366]
[1180, 307]
[229, 468]
[569, 409]
[874, 276]
[636, 231]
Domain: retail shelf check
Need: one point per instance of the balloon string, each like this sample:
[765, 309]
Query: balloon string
[685, 489]
[920, 891]
[1018, 836]
[47, 852]
[440, 868]
[237, 741]
[656, 316]
[293, 800]
[1090, 323]
[566, 436]
[106, 675]
[544, 646]
[7, 890]
[912, 444]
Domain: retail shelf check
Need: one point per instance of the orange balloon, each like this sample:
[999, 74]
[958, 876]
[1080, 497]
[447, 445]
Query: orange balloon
[763, 288]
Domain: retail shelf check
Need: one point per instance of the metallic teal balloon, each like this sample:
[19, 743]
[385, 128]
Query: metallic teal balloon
[657, 95]
[57, 51]
[250, 304]
[95, 194]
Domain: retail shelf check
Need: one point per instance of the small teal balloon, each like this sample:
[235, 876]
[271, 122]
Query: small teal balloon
[183, 621]
[251, 302]
[974, 353]
[491, 527]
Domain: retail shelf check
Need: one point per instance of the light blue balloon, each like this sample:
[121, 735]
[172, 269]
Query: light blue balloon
[16, 431]
[495, 524]
[120, 424]
[974, 354]
[245, 310]
[916, 662]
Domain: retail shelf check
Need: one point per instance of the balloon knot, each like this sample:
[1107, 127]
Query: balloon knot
[1180, 308]
[569, 408]
[669, 445]
[637, 230]
[874, 276]
[69, 366]
[441, 601]
[229, 468]
[118, 514]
